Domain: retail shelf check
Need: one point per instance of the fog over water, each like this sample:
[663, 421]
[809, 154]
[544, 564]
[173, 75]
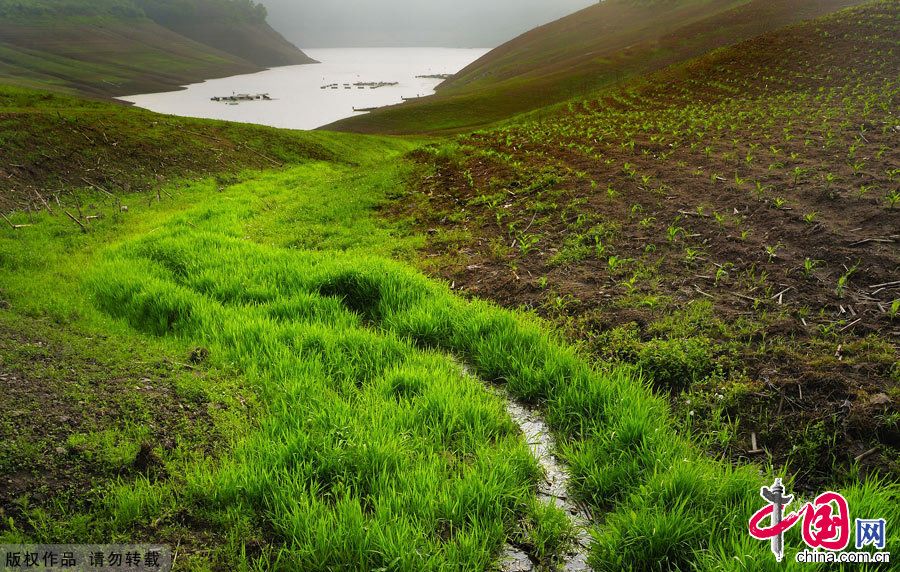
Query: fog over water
[360, 41]
[461, 23]
[298, 98]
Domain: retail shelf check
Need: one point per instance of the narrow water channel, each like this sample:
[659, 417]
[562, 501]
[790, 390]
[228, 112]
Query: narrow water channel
[552, 490]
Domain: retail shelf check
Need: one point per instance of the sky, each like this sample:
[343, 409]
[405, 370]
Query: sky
[455, 23]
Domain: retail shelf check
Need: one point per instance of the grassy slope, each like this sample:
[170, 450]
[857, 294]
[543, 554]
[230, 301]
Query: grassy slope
[54, 144]
[232, 27]
[738, 212]
[354, 441]
[351, 440]
[596, 47]
[104, 52]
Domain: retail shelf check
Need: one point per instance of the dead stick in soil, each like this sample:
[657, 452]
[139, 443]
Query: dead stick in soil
[266, 157]
[868, 240]
[850, 325]
[754, 449]
[78, 222]
[754, 300]
[103, 190]
[782, 293]
[98, 187]
[41, 198]
[702, 293]
[886, 284]
[202, 135]
[14, 226]
[866, 455]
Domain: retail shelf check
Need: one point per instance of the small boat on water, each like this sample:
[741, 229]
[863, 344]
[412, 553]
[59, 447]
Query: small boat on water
[375, 84]
[234, 99]
[444, 76]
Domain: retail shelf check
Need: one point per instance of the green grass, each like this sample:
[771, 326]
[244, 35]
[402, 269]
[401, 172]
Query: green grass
[371, 449]
[59, 145]
[340, 431]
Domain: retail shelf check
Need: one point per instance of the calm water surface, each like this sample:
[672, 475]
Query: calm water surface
[298, 98]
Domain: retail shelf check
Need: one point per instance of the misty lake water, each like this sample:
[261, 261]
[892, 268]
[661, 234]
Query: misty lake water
[310, 96]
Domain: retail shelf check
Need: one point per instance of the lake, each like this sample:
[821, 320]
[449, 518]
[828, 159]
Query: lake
[310, 96]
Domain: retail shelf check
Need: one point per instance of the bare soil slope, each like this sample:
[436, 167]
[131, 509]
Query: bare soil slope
[741, 211]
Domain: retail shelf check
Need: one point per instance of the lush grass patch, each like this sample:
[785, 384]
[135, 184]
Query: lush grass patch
[371, 449]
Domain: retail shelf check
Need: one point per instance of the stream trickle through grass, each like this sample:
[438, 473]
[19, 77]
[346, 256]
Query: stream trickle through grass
[552, 489]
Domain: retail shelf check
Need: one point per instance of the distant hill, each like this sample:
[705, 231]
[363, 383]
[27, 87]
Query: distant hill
[596, 47]
[118, 47]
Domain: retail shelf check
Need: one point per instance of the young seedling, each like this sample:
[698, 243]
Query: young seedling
[772, 251]
[809, 265]
[527, 242]
[894, 310]
[615, 262]
[810, 218]
[721, 275]
[844, 281]
[691, 255]
[673, 231]
[891, 199]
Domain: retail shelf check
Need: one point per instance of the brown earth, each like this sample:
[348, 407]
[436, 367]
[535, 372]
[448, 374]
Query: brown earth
[738, 208]
[81, 413]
